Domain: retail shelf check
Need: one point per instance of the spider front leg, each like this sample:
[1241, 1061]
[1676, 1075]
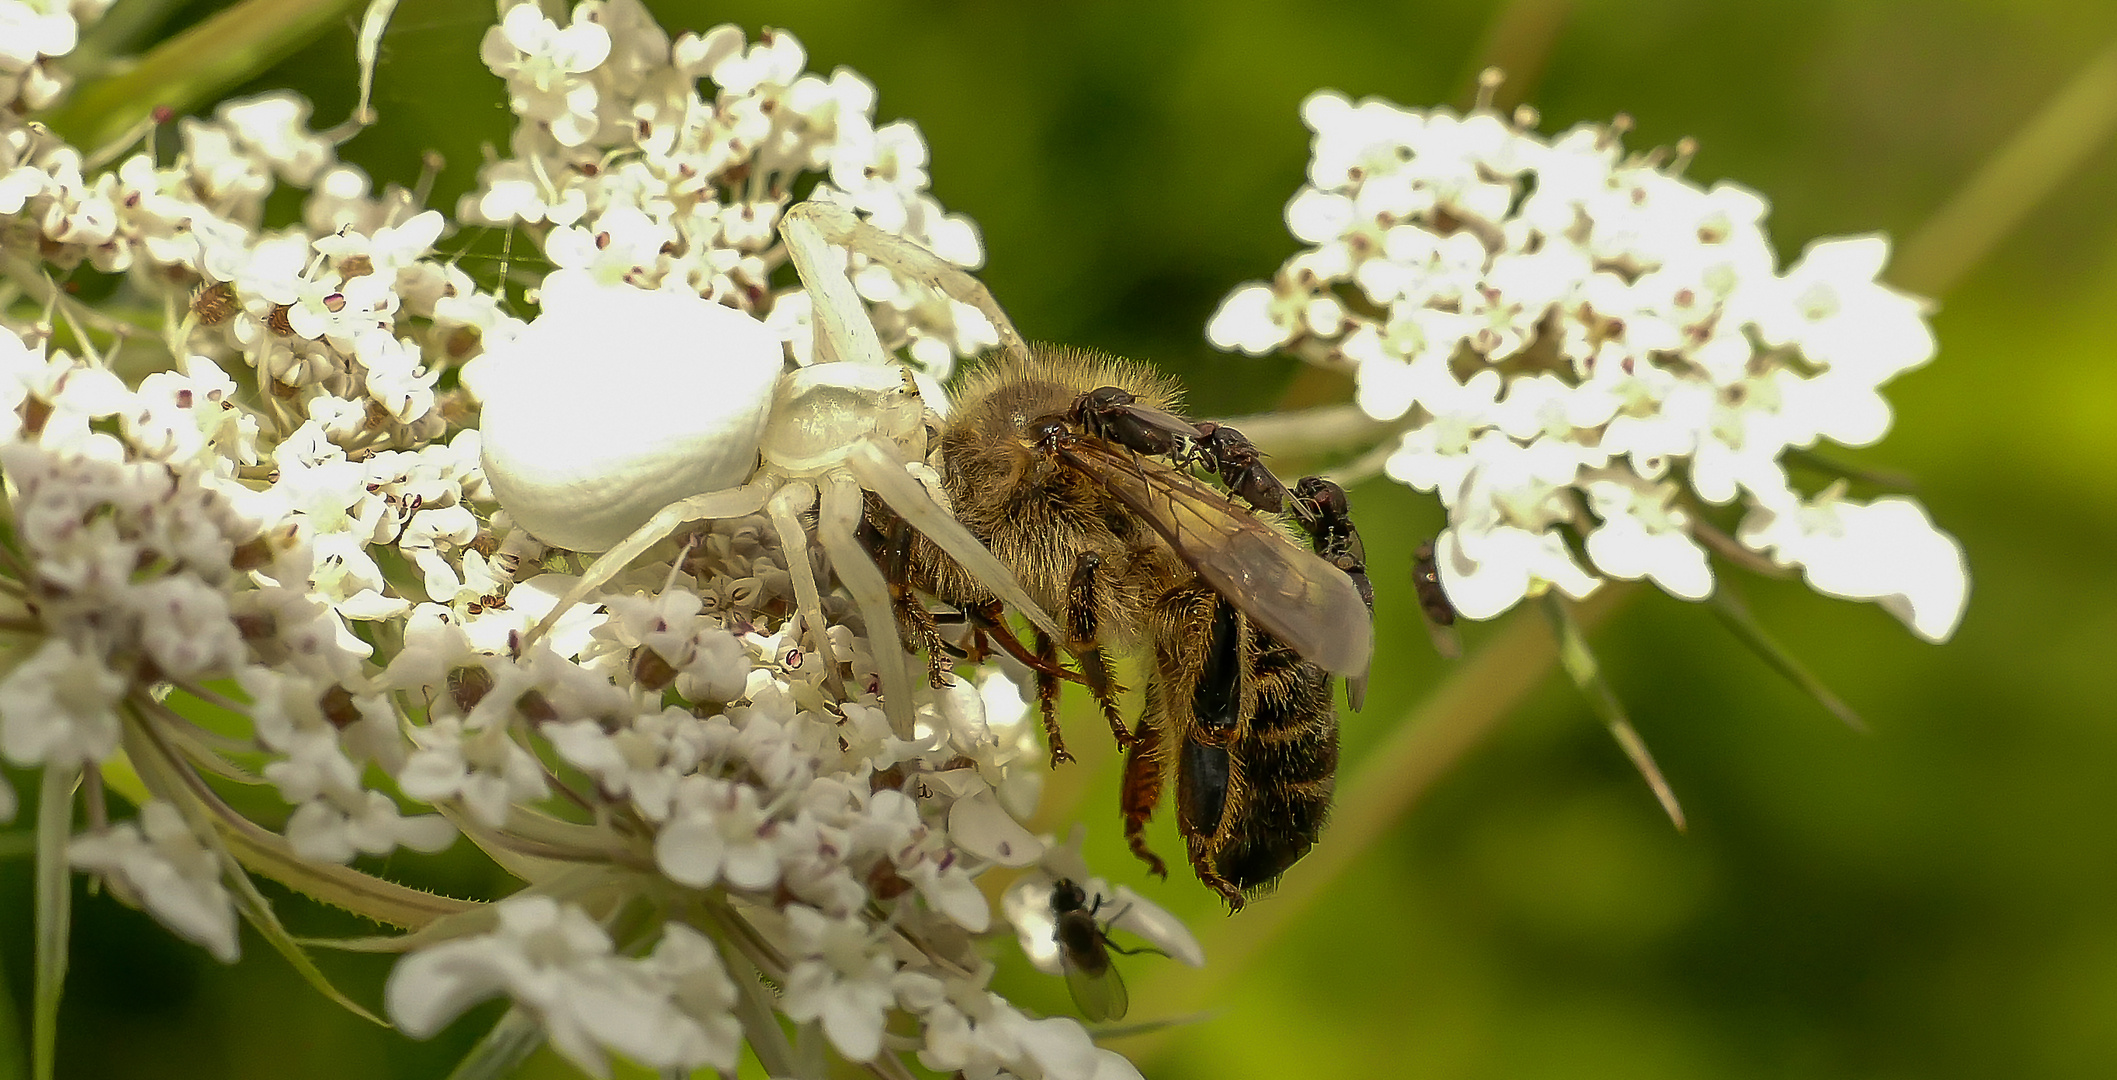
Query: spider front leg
[785, 508]
[888, 478]
[838, 527]
[728, 503]
[808, 226]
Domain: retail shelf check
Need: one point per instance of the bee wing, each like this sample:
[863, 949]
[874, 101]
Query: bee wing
[1302, 600]
[1099, 997]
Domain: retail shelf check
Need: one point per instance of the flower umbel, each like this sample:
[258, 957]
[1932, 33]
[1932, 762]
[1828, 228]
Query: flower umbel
[1586, 354]
[288, 558]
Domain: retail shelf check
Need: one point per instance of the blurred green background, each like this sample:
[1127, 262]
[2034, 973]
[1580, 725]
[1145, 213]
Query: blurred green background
[1936, 899]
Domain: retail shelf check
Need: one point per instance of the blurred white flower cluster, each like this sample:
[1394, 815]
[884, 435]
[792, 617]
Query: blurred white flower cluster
[33, 33]
[268, 555]
[1569, 339]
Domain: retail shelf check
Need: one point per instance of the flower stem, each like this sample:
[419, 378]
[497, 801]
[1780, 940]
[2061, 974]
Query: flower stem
[193, 67]
[502, 1049]
[54, 893]
[2049, 148]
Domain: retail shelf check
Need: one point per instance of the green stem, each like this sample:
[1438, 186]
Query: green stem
[2048, 149]
[54, 893]
[1580, 665]
[1518, 42]
[194, 67]
[502, 1049]
[14, 1057]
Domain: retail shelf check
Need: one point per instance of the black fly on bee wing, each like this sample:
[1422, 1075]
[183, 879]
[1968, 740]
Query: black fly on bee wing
[1302, 600]
[1326, 515]
[1115, 415]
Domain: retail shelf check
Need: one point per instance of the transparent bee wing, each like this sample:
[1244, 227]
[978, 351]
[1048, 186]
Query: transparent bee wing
[1099, 997]
[1290, 591]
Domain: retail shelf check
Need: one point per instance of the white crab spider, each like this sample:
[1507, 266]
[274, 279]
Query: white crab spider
[850, 422]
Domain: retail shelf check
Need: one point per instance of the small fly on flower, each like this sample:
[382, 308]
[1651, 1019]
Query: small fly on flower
[1084, 947]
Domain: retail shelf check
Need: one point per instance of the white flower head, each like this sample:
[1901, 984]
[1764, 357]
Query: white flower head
[1531, 309]
[59, 707]
[170, 872]
[668, 1011]
[684, 773]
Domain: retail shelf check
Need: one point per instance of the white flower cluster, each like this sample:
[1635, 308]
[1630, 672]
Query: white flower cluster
[632, 174]
[33, 33]
[277, 561]
[1570, 339]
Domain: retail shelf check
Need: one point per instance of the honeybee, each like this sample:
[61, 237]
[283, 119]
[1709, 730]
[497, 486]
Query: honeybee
[1053, 457]
[1084, 949]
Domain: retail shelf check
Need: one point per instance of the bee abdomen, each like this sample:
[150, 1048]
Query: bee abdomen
[1290, 762]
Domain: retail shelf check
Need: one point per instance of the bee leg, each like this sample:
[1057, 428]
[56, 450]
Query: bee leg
[924, 633]
[1047, 690]
[1095, 671]
[991, 629]
[1211, 879]
[914, 621]
[1141, 793]
[1081, 623]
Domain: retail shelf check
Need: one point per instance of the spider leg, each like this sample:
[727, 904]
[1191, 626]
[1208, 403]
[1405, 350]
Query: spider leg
[838, 528]
[884, 475]
[727, 503]
[843, 331]
[838, 225]
[786, 508]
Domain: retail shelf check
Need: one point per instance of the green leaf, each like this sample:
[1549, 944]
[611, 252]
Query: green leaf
[258, 912]
[476, 920]
[1580, 664]
[268, 853]
[171, 779]
[194, 67]
[363, 894]
[1733, 611]
[54, 892]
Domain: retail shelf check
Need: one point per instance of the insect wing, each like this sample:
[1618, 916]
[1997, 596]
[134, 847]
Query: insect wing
[1168, 422]
[1099, 997]
[1290, 591]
